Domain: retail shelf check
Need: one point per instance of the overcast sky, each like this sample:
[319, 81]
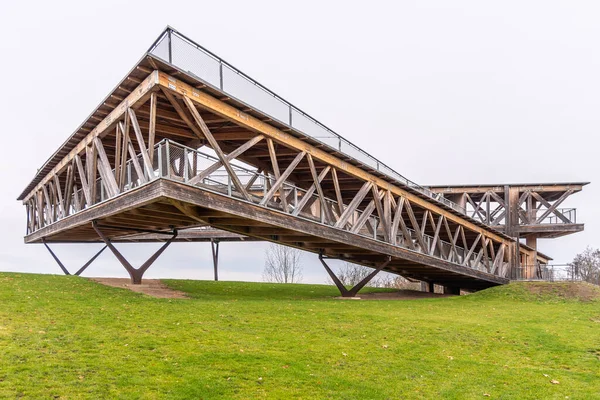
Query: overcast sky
[443, 92]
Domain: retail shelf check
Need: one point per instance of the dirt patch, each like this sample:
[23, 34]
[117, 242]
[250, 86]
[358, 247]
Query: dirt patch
[150, 287]
[401, 295]
[581, 291]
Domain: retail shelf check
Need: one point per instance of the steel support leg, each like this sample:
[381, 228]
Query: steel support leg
[64, 269]
[135, 273]
[353, 291]
[60, 264]
[214, 244]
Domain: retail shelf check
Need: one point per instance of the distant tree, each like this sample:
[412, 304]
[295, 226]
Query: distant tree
[586, 265]
[350, 274]
[282, 264]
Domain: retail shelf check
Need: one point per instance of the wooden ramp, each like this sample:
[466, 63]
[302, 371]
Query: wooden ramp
[181, 144]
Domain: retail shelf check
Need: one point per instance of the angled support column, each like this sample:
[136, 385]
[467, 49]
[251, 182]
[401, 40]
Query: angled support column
[135, 273]
[353, 291]
[64, 269]
[214, 244]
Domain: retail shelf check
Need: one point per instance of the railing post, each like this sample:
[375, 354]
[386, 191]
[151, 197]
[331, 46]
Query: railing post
[290, 108]
[295, 197]
[168, 151]
[160, 168]
[170, 46]
[228, 185]
[185, 165]
[221, 75]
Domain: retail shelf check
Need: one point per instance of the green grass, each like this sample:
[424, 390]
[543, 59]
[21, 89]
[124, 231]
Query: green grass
[66, 337]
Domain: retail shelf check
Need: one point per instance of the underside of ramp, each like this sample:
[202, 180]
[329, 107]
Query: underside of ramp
[163, 205]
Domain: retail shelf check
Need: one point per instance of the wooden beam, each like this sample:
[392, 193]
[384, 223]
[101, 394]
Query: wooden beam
[182, 114]
[91, 162]
[338, 192]
[358, 198]
[108, 179]
[246, 120]
[152, 127]
[276, 172]
[229, 157]
[140, 139]
[147, 85]
[311, 190]
[83, 179]
[282, 179]
[215, 146]
[313, 172]
[382, 217]
[415, 226]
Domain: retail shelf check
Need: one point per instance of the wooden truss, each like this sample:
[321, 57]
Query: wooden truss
[163, 129]
[528, 208]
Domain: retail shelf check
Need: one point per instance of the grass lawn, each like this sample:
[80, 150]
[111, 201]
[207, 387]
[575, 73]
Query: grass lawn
[67, 337]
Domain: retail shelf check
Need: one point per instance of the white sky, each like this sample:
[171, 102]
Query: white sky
[444, 92]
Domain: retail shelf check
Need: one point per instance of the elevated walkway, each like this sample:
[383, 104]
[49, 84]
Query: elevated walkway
[187, 141]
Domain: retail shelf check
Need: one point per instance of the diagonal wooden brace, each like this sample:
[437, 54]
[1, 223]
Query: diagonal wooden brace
[64, 269]
[353, 291]
[135, 273]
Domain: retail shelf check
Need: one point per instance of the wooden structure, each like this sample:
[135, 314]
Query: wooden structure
[187, 140]
[529, 211]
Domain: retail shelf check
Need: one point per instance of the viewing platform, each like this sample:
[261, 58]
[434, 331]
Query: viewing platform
[187, 141]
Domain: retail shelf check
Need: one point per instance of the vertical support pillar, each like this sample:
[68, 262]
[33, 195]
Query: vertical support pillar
[214, 244]
[513, 261]
[458, 198]
[532, 271]
[427, 287]
[511, 199]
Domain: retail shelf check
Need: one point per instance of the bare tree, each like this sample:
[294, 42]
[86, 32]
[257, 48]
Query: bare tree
[282, 264]
[586, 266]
[351, 274]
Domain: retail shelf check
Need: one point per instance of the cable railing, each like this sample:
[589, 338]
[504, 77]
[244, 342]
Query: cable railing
[190, 57]
[555, 273]
[189, 166]
[184, 164]
[569, 216]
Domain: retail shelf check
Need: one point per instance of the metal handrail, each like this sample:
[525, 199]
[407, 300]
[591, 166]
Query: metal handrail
[220, 84]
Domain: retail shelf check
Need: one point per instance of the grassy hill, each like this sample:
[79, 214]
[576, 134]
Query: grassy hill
[67, 337]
